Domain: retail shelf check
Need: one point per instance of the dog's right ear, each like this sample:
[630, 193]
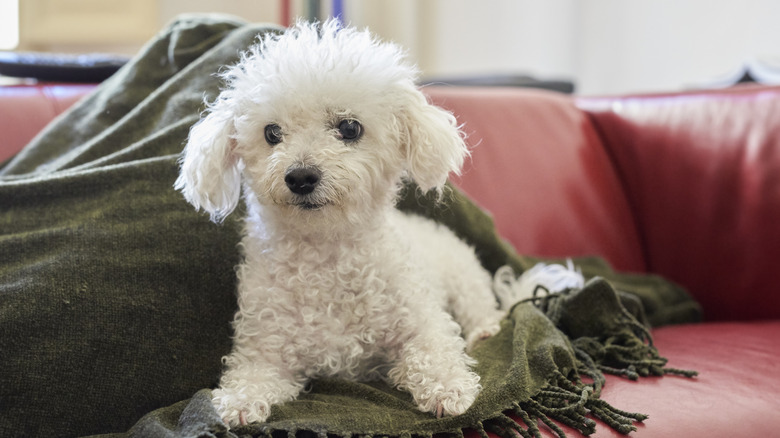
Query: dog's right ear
[210, 177]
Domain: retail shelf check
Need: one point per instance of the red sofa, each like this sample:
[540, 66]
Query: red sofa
[686, 185]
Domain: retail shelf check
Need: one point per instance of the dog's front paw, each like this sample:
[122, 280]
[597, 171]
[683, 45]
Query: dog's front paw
[237, 409]
[452, 398]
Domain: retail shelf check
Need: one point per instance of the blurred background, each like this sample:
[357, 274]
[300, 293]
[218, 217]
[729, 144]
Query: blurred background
[598, 46]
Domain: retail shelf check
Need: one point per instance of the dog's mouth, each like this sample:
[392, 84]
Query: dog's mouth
[310, 206]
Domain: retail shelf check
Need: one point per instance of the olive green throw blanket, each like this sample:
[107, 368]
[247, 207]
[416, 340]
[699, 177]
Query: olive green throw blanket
[116, 296]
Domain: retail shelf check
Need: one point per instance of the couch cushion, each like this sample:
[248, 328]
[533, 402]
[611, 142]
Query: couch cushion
[736, 393]
[702, 173]
[567, 199]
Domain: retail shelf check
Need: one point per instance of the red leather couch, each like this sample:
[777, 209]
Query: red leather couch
[686, 185]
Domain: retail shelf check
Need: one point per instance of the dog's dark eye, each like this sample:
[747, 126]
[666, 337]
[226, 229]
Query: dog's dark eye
[273, 134]
[350, 130]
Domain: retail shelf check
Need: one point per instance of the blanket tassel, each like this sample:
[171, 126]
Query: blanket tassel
[566, 402]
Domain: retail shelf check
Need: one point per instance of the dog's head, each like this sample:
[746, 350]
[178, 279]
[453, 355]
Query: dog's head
[320, 120]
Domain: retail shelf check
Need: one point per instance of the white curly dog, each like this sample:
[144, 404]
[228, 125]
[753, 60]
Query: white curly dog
[320, 125]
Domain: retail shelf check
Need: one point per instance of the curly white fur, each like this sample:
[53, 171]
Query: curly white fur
[335, 281]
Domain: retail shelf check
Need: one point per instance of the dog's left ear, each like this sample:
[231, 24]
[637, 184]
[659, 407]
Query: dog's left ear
[432, 142]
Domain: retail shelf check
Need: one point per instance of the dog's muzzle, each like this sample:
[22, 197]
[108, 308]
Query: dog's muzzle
[302, 180]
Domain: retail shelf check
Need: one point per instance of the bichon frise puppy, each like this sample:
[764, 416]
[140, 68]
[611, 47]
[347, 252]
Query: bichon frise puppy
[320, 125]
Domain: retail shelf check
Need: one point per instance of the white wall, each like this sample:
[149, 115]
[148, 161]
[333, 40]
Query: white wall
[629, 45]
[604, 46]
[465, 37]
[503, 36]
[249, 10]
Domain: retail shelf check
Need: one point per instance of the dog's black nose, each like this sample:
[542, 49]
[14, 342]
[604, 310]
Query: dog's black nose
[302, 180]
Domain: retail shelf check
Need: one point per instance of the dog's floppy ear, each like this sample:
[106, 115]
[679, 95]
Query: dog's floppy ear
[210, 177]
[432, 142]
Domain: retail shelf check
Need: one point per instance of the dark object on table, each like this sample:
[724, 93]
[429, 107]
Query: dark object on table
[59, 67]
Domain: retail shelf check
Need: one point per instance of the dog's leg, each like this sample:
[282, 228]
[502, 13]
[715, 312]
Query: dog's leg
[471, 300]
[433, 366]
[249, 388]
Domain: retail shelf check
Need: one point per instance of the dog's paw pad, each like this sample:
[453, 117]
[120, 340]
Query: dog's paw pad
[452, 405]
[236, 410]
[439, 410]
[241, 418]
[455, 400]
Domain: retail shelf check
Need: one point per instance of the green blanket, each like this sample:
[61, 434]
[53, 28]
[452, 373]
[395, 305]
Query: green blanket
[116, 296]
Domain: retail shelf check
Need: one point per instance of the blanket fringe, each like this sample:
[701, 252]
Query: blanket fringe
[480, 428]
[629, 352]
[624, 354]
[567, 402]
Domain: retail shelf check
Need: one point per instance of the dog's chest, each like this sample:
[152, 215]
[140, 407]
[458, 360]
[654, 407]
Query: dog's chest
[334, 311]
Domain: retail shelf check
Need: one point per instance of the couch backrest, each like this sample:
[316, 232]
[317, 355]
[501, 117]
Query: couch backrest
[702, 170]
[684, 185]
[538, 166]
